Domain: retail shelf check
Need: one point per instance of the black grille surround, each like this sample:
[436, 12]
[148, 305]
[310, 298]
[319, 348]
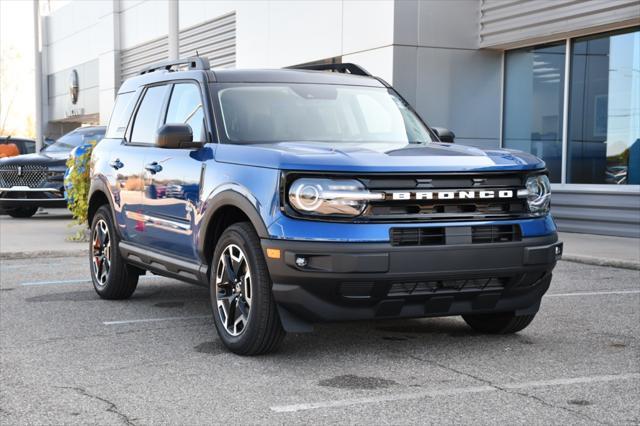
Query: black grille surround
[31, 176]
[459, 208]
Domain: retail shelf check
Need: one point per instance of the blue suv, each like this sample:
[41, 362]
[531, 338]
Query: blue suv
[308, 195]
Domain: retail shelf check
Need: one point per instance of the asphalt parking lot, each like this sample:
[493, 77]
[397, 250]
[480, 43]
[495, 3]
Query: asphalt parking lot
[69, 357]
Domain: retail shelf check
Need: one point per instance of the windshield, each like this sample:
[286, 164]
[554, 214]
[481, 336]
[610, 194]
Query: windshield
[76, 138]
[280, 112]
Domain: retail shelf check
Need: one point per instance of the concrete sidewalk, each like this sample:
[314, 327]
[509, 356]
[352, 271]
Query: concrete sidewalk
[44, 235]
[601, 250]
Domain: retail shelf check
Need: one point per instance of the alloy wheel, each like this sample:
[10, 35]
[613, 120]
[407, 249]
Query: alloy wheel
[101, 252]
[233, 289]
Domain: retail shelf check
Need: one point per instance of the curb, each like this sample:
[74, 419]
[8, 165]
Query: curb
[44, 253]
[590, 260]
[586, 260]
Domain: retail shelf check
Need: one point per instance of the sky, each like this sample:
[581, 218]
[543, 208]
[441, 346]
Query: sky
[17, 84]
[17, 94]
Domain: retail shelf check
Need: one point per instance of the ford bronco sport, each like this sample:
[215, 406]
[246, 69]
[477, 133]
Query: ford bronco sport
[300, 196]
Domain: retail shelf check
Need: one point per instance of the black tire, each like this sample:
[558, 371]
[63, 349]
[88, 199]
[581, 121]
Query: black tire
[120, 280]
[22, 212]
[498, 323]
[261, 331]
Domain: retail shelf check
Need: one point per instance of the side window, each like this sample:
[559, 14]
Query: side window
[148, 117]
[185, 107]
[120, 115]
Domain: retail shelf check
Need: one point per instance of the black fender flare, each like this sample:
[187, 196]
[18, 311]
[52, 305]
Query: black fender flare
[229, 197]
[99, 185]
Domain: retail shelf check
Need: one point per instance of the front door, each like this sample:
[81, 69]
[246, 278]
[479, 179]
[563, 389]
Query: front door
[172, 177]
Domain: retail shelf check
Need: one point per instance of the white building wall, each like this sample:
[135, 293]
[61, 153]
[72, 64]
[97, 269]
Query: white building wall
[83, 36]
[270, 33]
[437, 66]
[281, 33]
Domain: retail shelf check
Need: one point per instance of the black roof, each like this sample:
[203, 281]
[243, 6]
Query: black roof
[233, 75]
[11, 138]
[292, 76]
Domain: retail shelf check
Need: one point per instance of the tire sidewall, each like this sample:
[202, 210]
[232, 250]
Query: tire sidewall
[22, 212]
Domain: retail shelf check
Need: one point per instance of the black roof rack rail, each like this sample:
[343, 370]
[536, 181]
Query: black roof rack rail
[346, 68]
[192, 63]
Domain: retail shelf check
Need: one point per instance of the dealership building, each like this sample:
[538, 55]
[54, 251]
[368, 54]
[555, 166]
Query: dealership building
[559, 79]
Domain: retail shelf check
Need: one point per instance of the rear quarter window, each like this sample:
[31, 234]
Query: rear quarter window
[121, 114]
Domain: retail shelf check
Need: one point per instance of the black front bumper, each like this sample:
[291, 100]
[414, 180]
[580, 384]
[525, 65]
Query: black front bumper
[33, 198]
[319, 281]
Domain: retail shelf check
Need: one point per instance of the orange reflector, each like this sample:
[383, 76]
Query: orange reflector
[273, 253]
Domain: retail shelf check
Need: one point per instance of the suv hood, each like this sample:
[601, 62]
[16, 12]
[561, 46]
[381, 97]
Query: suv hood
[57, 159]
[376, 157]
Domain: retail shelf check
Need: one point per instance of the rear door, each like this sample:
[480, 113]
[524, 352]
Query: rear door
[172, 176]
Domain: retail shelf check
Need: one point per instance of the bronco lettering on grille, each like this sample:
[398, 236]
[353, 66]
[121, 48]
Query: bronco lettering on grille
[452, 195]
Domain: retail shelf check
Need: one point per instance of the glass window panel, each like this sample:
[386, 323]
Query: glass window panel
[533, 103]
[148, 116]
[121, 114]
[604, 110]
[185, 107]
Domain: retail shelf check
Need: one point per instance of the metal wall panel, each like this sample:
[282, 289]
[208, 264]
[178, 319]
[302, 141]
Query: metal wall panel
[508, 23]
[134, 59]
[214, 39]
[597, 211]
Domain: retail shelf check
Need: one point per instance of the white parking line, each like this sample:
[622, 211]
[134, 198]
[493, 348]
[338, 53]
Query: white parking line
[451, 392]
[78, 281]
[133, 321]
[593, 293]
[58, 282]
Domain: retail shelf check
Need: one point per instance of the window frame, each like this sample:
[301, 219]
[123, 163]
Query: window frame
[165, 106]
[136, 110]
[599, 187]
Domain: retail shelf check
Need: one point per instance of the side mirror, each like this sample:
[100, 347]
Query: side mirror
[46, 143]
[175, 136]
[445, 135]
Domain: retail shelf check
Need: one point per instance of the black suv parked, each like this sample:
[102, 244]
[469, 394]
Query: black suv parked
[36, 180]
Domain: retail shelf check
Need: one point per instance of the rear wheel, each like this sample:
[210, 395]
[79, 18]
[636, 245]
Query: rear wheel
[22, 212]
[112, 278]
[244, 312]
[498, 323]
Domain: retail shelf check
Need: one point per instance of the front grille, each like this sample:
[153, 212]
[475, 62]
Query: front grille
[417, 236]
[457, 208]
[434, 236]
[495, 234]
[28, 175]
[414, 288]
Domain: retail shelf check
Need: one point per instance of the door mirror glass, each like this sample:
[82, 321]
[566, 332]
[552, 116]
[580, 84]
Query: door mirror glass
[175, 136]
[445, 135]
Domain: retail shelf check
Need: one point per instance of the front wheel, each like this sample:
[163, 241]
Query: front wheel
[244, 312]
[22, 212]
[112, 278]
[498, 323]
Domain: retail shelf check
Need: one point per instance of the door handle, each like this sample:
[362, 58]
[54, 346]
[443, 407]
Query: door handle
[116, 164]
[153, 167]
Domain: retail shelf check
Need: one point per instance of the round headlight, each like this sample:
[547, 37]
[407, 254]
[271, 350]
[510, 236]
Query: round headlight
[330, 197]
[538, 194]
[307, 196]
